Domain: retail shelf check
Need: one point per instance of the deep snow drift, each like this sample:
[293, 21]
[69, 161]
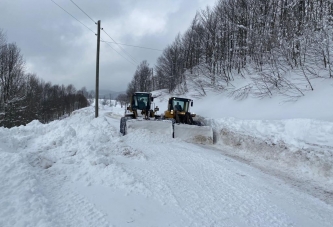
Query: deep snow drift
[296, 136]
[80, 171]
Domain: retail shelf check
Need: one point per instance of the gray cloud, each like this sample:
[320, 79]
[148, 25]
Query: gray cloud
[61, 50]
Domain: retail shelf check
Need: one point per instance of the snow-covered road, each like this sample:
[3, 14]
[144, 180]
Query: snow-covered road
[207, 188]
[81, 172]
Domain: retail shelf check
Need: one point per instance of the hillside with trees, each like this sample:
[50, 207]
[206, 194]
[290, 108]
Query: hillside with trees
[276, 46]
[24, 97]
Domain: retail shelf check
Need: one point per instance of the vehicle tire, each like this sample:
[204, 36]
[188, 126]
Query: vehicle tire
[189, 119]
[123, 125]
[173, 127]
[198, 123]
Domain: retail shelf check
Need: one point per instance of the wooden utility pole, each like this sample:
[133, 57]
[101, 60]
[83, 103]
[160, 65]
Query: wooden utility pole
[152, 79]
[97, 67]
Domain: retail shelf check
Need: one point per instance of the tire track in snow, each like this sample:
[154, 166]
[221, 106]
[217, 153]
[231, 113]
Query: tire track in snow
[219, 192]
[194, 197]
[311, 187]
[70, 208]
[189, 192]
[264, 204]
[210, 189]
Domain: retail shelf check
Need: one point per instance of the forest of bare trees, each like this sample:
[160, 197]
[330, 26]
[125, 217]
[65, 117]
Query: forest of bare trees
[24, 97]
[142, 80]
[278, 46]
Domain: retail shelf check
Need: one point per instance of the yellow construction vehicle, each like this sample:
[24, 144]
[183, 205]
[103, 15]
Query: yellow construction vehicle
[184, 126]
[141, 106]
[177, 120]
[178, 109]
[141, 114]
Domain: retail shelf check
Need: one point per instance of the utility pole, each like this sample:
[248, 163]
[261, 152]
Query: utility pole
[152, 78]
[97, 67]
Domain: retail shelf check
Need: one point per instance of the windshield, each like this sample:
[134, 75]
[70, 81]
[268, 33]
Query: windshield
[180, 105]
[140, 101]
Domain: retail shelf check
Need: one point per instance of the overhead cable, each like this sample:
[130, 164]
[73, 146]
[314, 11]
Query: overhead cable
[83, 11]
[73, 17]
[135, 46]
[133, 59]
[118, 53]
[130, 56]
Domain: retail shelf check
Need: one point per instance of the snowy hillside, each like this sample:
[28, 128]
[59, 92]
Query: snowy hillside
[295, 136]
[267, 167]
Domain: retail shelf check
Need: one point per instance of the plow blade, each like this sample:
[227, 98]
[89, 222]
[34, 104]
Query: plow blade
[194, 133]
[163, 127]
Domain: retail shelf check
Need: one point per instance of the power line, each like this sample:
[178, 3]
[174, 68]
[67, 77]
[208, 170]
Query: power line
[89, 29]
[118, 52]
[83, 11]
[73, 17]
[130, 56]
[133, 59]
[134, 46]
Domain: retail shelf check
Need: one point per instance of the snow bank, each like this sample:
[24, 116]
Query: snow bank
[21, 193]
[298, 145]
[294, 136]
[45, 170]
[81, 147]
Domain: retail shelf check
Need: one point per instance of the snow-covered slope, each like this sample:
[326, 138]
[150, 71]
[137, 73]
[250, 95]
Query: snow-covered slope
[284, 135]
[314, 105]
[79, 171]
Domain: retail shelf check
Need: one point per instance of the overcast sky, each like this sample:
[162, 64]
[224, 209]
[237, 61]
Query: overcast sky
[61, 50]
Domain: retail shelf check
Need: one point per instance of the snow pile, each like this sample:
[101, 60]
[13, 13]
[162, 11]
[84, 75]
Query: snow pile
[21, 194]
[79, 171]
[78, 147]
[301, 145]
[294, 136]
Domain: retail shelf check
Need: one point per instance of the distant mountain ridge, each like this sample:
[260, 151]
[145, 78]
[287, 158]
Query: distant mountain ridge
[106, 93]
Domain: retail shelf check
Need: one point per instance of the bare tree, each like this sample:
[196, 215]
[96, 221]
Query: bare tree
[123, 99]
[142, 79]
[269, 37]
[11, 82]
[25, 98]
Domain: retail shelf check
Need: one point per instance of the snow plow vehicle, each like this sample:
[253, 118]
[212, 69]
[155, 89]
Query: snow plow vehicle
[184, 126]
[177, 121]
[141, 114]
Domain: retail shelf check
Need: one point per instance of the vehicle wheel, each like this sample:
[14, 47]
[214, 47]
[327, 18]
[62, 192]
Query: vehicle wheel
[123, 125]
[198, 123]
[189, 119]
